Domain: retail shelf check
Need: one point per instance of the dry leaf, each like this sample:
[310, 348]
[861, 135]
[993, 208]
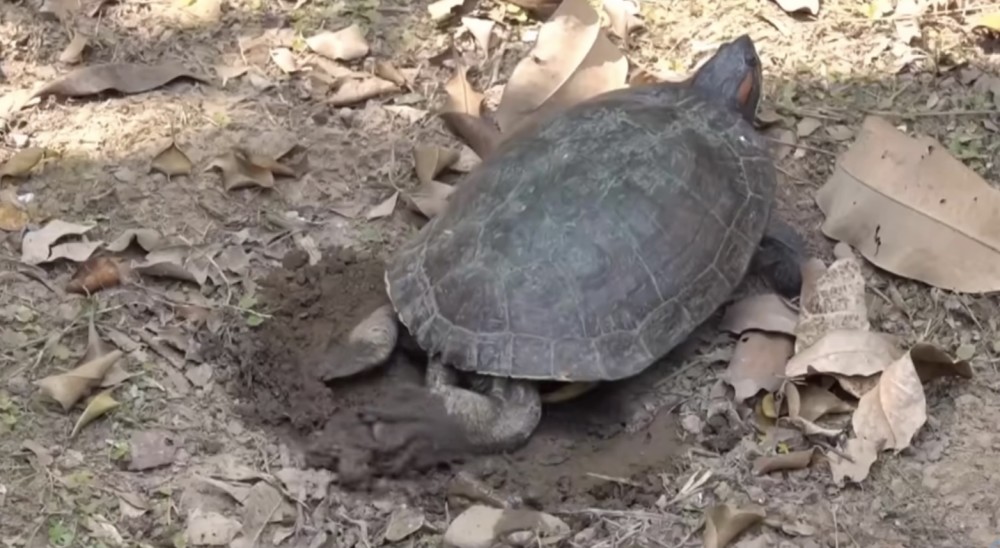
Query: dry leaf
[125, 78]
[835, 300]
[239, 172]
[766, 312]
[354, 91]
[892, 413]
[846, 352]
[387, 71]
[98, 406]
[931, 362]
[481, 30]
[623, 18]
[856, 385]
[807, 126]
[796, 460]
[810, 428]
[383, 209]
[346, 44]
[430, 160]
[725, 522]
[811, 402]
[758, 363]
[554, 76]
[430, 198]
[441, 10]
[839, 132]
[403, 522]
[176, 263]
[21, 162]
[794, 6]
[172, 161]
[210, 528]
[68, 388]
[227, 73]
[285, 60]
[73, 52]
[862, 452]
[461, 96]
[94, 275]
[147, 238]
[62, 10]
[481, 136]
[564, 41]
[36, 246]
[911, 208]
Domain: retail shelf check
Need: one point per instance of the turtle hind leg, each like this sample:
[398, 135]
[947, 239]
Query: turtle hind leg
[368, 345]
[780, 256]
[501, 419]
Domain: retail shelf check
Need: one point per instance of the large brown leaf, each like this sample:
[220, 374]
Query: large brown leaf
[913, 209]
[126, 78]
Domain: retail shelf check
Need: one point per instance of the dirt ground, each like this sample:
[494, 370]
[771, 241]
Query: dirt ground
[217, 405]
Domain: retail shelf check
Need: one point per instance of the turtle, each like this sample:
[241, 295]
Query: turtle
[585, 249]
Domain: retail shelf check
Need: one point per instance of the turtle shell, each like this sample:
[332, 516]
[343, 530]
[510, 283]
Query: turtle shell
[592, 245]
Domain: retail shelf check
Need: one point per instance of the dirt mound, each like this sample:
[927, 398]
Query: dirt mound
[379, 422]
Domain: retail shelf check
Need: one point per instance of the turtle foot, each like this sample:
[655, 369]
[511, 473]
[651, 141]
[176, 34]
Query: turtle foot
[368, 345]
[501, 419]
[779, 258]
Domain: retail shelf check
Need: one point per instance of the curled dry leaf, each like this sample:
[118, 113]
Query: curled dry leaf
[796, 460]
[833, 301]
[351, 91]
[36, 248]
[911, 208]
[461, 96]
[430, 198]
[346, 44]
[861, 455]
[383, 209]
[481, 30]
[147, 238]
[239, 172]
[403, 522]
[766, 312]
[68, 388]
[893, 412]
[797, 6]
[430, 160]
[128, 78]
[94, 275]
[846, 352]
[811, 402]
[442, 10]
[725, 522]
[172, 161]
[387, 71]
[176, 262]
[97, 407]
[285, 60]
[758, 363]
[228, 72]
[931, 362]
[564, 41]
[73, 52]
[22, 162]
[481, 136]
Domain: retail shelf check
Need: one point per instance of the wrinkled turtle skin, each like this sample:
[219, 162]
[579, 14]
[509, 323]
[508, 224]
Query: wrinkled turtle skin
[591, 245]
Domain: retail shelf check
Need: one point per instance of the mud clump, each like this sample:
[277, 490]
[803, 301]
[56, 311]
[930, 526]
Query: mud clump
[377, 423]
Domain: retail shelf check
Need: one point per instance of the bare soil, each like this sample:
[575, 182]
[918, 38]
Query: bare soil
[219, 394]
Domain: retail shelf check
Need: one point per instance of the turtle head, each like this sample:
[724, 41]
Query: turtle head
[733, 76]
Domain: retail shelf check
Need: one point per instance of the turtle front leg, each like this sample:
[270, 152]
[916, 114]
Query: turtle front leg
[780, 256]
[368, 345]
[501, 419]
